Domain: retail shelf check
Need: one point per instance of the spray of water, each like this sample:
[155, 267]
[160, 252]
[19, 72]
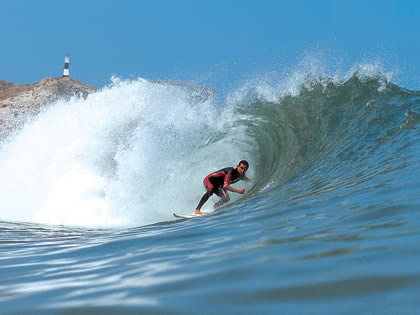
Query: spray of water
[129, 154]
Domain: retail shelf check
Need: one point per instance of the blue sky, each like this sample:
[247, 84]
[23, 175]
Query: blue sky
[218, 43]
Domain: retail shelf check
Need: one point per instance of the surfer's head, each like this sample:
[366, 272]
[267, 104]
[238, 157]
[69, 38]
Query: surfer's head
[242, 167]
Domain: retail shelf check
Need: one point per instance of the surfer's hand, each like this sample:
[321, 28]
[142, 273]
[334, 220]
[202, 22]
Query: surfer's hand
[241, 191]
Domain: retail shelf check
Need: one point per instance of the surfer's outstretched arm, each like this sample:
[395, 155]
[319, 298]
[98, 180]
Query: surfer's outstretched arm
[226, 186]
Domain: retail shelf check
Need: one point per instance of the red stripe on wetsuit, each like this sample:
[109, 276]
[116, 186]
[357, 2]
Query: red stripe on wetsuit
[221, 173]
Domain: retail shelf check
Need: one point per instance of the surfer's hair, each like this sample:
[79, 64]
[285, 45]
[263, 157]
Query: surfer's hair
[243, 162]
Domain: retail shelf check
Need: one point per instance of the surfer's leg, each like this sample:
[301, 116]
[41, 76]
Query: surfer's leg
[209, 187]
[224, 197]
[203, 200]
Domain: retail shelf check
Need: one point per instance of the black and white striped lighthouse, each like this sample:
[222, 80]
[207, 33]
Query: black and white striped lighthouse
[66, 72]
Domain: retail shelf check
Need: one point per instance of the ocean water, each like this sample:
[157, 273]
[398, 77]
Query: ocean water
[330, 222]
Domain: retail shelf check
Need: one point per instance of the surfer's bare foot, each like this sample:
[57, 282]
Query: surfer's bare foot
[198, 212]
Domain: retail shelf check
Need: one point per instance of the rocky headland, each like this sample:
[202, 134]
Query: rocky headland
[20, 102]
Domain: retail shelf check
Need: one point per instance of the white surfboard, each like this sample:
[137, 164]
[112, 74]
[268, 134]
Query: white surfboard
[189, 216]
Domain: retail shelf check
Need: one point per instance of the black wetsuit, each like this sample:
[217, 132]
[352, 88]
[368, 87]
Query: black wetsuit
[214, 184]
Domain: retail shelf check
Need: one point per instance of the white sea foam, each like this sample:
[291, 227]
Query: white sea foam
[130, 154]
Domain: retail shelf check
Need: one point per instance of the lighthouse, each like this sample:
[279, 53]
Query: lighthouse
[66, 72]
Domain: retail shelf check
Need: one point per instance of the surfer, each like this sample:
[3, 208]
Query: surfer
[219, 183]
